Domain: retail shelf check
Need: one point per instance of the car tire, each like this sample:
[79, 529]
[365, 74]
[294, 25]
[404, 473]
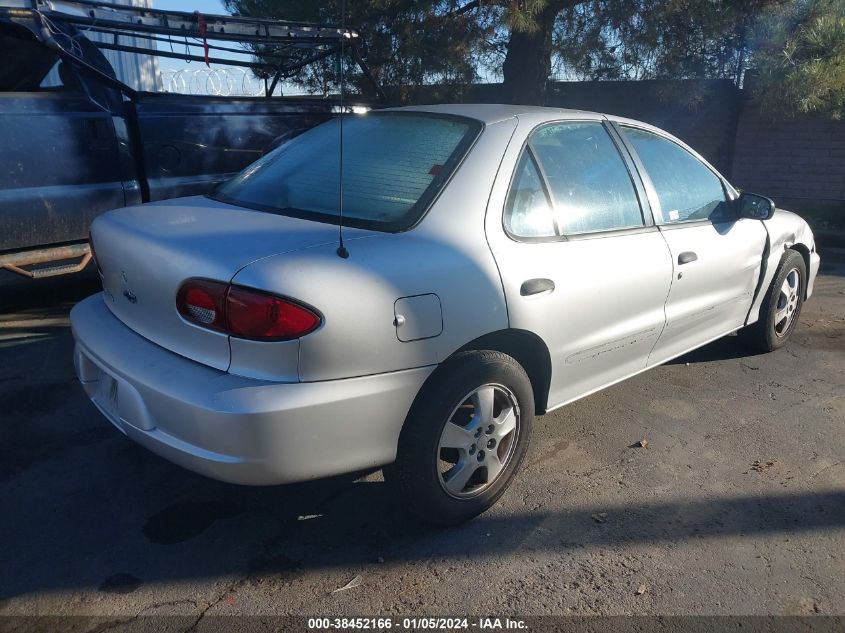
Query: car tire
[446, 476]
[781, 306]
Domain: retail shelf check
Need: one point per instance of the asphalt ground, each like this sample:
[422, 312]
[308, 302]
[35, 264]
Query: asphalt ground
[737, 505]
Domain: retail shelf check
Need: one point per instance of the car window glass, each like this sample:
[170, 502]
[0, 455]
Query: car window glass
[590, 185]
[686, 188]
[528, 213]
[394, 163]
[26, 61]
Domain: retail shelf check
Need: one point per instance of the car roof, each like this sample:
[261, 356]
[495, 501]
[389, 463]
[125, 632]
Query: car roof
[490, 113]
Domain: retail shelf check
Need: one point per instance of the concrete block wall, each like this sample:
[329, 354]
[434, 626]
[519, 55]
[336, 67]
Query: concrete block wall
[802, 159]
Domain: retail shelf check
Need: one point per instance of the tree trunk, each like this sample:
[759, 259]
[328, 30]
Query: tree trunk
[528, 61]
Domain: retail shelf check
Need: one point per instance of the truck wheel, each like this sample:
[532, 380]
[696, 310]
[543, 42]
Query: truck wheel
[781, 306]
[464, 439]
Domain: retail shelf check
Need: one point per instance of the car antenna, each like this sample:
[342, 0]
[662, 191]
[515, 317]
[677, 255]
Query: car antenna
[341, 249]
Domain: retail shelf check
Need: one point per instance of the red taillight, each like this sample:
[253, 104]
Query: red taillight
[256, 315]
[202, 302]
[244, 312]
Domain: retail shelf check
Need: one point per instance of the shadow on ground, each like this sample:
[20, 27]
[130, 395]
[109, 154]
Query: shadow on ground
[720, 349]
[197, 528]
[88, 508]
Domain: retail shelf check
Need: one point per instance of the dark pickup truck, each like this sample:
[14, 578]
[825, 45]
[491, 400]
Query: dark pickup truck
[85, 142]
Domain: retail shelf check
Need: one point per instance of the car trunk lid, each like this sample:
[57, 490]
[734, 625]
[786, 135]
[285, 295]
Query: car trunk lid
[146, 252]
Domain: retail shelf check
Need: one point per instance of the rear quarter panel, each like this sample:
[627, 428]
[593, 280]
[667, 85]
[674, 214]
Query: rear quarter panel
[446, 254]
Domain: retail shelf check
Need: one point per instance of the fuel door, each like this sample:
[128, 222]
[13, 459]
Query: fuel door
[417, 317]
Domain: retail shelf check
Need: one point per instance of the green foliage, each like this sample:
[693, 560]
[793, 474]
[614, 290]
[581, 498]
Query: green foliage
[409, 42]
[799, 58]
[521, 15]
[793, 49]
[658, 39]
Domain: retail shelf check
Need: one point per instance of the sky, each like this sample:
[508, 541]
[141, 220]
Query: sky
[203, 6]
[194, 77]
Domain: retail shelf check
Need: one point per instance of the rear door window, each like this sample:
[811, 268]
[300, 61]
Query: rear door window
[528, 212]
[394, 164]
[590, 186]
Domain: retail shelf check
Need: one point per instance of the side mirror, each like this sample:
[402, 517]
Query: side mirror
[755, 207]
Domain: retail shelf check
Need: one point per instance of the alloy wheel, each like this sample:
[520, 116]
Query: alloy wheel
[478, 441]
[787, 305]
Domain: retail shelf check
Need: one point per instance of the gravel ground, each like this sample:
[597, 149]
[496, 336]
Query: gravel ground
[737, 506]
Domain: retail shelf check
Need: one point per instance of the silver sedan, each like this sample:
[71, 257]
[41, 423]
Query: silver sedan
[414, 306]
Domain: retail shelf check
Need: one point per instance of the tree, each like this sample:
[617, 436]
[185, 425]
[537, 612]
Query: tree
[623, 39]
[409, 42]
[528, 61]
[434, 41]
[794, 48]
[655, 39]
[799, 59]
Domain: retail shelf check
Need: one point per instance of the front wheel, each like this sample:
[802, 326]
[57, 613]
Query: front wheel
[781, 306]
[464, 439]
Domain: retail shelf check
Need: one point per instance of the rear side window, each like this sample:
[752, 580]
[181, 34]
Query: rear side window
[686, 188]
[393, 166]
[528, 212]
[26, 61]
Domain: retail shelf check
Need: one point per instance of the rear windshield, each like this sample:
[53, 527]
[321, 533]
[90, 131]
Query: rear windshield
[394, 164]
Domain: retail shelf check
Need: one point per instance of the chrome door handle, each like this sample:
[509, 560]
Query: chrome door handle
[536, 286]
[687, 257]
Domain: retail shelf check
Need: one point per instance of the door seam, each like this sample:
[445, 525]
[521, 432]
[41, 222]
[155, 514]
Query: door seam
[672, 280]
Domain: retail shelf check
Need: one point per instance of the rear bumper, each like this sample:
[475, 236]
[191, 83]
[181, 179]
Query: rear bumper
[233, 428]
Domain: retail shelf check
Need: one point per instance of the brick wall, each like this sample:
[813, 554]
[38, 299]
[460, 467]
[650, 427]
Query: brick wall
[800, 160]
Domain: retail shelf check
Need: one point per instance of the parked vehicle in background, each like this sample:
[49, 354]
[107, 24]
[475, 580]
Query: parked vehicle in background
[497, 262]
[77, 141]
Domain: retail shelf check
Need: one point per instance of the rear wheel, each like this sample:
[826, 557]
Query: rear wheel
[781, 306]
[464, 438]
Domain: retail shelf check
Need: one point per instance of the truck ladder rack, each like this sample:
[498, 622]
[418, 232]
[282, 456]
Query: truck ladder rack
[132, 20]
[277, 38]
